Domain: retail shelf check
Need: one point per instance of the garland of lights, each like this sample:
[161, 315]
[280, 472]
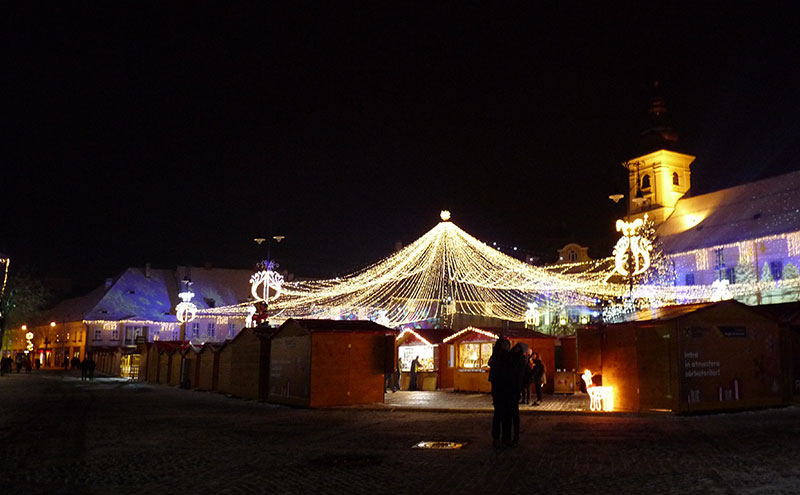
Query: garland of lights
[447, 271]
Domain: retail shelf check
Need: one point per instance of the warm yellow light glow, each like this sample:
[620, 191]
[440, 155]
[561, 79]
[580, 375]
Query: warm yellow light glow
[52, 324]
[631, 244]
[445, 215]
[415, 334]
[24, 327]
[601, 398]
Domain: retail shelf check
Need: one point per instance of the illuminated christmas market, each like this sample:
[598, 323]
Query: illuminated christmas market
[400, 247]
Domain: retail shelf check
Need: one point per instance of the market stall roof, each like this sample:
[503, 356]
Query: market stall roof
[311, 325]
[784, 313]
[425, 336]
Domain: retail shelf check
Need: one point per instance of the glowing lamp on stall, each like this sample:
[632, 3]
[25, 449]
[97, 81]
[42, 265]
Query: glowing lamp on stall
[601, 398]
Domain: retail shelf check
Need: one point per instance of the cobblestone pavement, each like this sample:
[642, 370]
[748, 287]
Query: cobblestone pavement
[449, 401]
[61, 435]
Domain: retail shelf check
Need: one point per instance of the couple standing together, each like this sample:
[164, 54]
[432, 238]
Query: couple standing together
[511, 372]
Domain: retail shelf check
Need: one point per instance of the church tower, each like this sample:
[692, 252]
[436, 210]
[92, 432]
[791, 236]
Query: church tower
[660, 175]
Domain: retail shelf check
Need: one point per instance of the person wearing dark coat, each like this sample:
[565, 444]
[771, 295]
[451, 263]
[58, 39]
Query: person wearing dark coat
[501, 376]
[84, 365]
[518, 365]
[527, 379]
[538, 377]
[90, 365]
[412, 382]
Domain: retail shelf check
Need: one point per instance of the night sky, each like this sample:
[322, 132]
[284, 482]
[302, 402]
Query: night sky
[175, 133]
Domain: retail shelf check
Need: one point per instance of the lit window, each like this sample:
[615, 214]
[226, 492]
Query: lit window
[195, 329]
[474, 355]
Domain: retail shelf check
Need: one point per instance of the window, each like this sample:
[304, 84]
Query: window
[80, 336]
[115, 334]
[646, 182]
[67, 337]
[232, 330]
[690, 279]
[195, 329]
[474, 355]
[98, 334]
[730, 274]
[675, 179]
[573, 256]
[211, 329]
[776, 267]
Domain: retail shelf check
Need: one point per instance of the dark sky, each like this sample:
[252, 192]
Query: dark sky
[177, 132]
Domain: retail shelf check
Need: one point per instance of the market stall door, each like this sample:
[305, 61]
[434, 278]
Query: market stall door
[130, 366]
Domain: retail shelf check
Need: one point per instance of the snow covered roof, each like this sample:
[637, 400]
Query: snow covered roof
[139, 294]
[750, 211]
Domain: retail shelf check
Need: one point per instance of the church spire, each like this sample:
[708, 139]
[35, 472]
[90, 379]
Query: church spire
[658, 133]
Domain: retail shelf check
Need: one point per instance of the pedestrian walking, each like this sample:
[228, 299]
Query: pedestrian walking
[27, 364]
[503, 391]
[84, 366]
[518, 363]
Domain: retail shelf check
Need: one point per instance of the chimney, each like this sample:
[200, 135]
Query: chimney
[147, 270]
[109, 283]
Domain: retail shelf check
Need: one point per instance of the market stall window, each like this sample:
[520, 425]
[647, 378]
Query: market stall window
[474, 355]
[407, 353]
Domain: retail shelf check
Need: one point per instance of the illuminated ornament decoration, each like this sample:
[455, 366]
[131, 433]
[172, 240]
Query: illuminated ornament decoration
[265, 280]
[186, 311]
[29, 336]
[445, 215]
[631, 244]
[251, 311]
[532, 315]
[722, 290]
[600, 398]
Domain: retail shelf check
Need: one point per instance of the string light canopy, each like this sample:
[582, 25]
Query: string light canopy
[447, 271]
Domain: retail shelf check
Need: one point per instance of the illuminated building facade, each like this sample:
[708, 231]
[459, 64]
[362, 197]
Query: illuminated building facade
[136, 307]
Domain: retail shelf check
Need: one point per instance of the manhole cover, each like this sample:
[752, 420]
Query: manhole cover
[438, 445]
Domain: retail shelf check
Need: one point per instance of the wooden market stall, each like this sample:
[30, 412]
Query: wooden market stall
[425, 346]
[788, 317]
[244, 363]
[190, 366]
[472, 347]
[208, 366]
[318, 363]
[173, 361]
[702, 357]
